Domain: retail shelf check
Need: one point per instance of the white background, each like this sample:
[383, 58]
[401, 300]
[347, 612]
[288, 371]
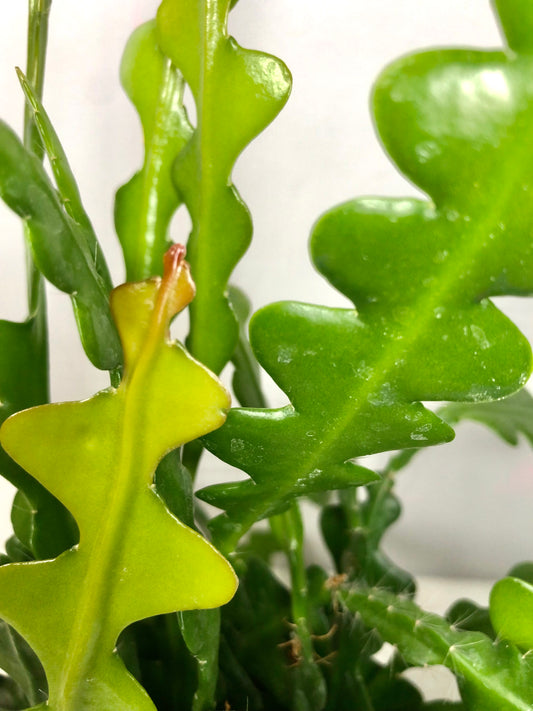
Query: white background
[467, 506]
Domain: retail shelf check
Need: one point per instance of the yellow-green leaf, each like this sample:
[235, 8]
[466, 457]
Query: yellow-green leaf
[134, 559]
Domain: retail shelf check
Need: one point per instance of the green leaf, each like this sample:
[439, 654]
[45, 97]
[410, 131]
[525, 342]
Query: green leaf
[246, 378]
[17, 551]
[492, 675]
[145, 205]
[389, 691]
[41, 523]
[201, 633]
[338, 411]
[238, 92]
[19, 661]
[134, 559]
[200, 629]
[523, 570]
[516, 20]
[355, 550]
[509, 418]
[11, 697]
[255, 629]
[60, 248]
[64, 178]
[511, 611]
[419, 272]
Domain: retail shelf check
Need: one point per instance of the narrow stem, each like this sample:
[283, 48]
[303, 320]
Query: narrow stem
[38, 16]
[288, 527]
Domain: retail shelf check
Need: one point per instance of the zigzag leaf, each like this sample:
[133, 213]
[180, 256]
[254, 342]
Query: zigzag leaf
[457, 123]
[238, 92]
[145, 205]
[134, 559]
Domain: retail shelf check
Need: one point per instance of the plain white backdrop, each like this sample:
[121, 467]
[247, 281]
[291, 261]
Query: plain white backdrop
[467, 506]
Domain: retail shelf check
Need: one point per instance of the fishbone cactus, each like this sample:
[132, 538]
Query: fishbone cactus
[134, 559]
[419, 272]
[238, 92]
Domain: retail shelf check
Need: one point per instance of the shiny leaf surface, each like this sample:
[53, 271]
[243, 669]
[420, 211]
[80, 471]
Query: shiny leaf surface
[419, 272]
[145, 205]
[134, 559]
[238, 92]
[511, 611]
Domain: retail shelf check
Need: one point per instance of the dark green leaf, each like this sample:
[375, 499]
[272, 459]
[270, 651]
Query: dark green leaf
[201, 633]
[255, 627]
[17, 551]
[59, 247]
[19, 661]
[524, 571]
[246, 378]
[390, 692]
[64, 178]
[41, 523]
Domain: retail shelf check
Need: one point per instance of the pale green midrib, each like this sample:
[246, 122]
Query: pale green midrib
[170, 97]
[454, 659]
[84, 647]
[425, 309]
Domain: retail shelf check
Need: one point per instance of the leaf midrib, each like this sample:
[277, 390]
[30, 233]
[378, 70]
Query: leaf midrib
[97, 586]
[425, 310]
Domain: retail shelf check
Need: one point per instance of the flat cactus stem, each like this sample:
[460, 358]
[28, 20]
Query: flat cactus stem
[238, 92]
[134, 558]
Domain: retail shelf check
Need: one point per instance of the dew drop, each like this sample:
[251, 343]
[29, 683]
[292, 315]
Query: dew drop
[237, 445]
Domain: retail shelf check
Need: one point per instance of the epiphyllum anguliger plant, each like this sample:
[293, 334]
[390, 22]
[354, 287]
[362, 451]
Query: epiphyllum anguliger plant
[114, 577]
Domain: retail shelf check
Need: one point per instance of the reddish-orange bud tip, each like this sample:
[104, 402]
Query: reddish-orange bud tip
[173, 259]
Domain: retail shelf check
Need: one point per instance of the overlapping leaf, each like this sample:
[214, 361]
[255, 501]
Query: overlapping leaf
[134, 559]
[40, 521]
[237, 93]
[509, 418]
[457, 123]
[145, 205]
[64, 248]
